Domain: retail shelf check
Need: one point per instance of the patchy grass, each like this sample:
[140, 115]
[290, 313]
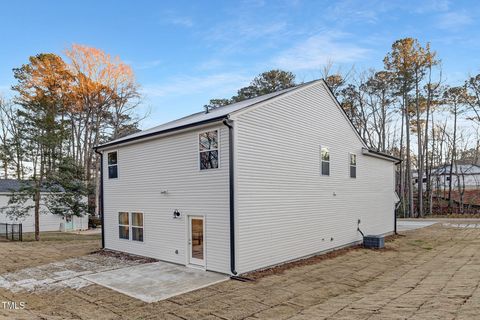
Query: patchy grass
[421, 244]
[60, 236]
[429, 273]
[453, 216]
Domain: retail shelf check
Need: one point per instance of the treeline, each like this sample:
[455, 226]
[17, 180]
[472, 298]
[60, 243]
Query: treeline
[409, 110]
[60, 111]
[406, 109]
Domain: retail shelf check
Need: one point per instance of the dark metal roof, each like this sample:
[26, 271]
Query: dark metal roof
[9, 185]
[201, 118]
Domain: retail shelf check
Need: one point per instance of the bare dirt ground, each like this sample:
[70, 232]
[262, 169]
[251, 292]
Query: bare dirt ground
[430, 273]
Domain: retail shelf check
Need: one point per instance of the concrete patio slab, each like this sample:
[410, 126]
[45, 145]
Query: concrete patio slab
[155, 281]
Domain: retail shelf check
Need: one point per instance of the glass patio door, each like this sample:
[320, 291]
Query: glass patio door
[196, 240]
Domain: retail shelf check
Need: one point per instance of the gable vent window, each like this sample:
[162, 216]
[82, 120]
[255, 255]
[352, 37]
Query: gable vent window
[325, 161]
[353, 165]
[208, 150]
[112, 165]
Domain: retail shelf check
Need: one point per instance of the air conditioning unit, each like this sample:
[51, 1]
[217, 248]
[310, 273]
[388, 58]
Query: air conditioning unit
[375, 242]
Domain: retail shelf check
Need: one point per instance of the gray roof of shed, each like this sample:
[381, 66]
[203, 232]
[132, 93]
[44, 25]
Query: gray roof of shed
[201, 117]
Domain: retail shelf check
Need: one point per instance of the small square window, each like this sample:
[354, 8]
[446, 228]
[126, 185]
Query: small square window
[112, 158]
[137, 234]
[123, 218]
[123, 232]
[208, 160]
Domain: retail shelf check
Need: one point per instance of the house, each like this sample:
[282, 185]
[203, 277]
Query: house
[463, 175]
[246, 186]
[48, 221]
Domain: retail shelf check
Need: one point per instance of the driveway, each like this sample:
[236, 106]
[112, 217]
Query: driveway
[404, 225]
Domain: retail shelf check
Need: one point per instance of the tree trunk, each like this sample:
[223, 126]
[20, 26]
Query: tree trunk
[409, 163]
[453, 157]
[402, 178]
[37, 212]
[420, 157]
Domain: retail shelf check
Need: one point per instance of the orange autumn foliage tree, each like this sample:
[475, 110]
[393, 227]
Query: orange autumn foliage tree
[106, 96]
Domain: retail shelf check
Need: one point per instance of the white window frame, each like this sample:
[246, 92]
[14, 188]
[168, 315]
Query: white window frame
[187, 245]
[131, 226]
[138, 227]
[111, 165]
[350, 165]
[123, 225]
[199, 163]
[322, 161]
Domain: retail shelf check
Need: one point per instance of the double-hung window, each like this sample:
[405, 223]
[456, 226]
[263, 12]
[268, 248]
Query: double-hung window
[325, 161]
[112, 165]
[353, 165]
[123, 225]
[208, 150]
[137, 226]
[130, 226]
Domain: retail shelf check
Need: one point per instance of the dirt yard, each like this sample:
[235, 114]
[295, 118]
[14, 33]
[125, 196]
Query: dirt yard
[431, 273]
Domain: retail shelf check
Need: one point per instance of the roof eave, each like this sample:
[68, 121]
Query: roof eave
[162, 132]
[380, 155]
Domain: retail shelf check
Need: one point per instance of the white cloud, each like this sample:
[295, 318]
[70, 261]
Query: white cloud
[316, 51]
[147, 64]
[454, 20]
[177, 19]
[217, 84]
[181, 21]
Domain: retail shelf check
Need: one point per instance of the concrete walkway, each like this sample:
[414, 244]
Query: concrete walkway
[405, 225]
[155, 281]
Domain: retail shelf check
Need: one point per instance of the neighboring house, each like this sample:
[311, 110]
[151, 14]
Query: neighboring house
[467, 175]
[48, 221]
[246, 186]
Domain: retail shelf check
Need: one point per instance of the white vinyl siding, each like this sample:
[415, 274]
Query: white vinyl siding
[159, 176]
[48, 221]
[285, 209]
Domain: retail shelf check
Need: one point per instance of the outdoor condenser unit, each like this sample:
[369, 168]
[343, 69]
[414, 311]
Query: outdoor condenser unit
[376, 242]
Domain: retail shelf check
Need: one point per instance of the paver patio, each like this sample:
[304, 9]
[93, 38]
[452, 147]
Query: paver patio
[429, 273]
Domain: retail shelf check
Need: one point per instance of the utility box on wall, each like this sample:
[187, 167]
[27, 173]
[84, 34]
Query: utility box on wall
[376, 242]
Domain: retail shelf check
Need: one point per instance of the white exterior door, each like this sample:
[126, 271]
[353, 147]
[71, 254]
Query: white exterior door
[196, 240]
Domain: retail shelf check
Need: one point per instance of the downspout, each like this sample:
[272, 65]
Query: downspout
[101, 197]
[396, 206]
[228, 123]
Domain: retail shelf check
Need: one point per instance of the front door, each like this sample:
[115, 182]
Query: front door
[196, 240]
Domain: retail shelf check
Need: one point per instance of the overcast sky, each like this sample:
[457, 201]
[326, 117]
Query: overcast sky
[187, 52]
